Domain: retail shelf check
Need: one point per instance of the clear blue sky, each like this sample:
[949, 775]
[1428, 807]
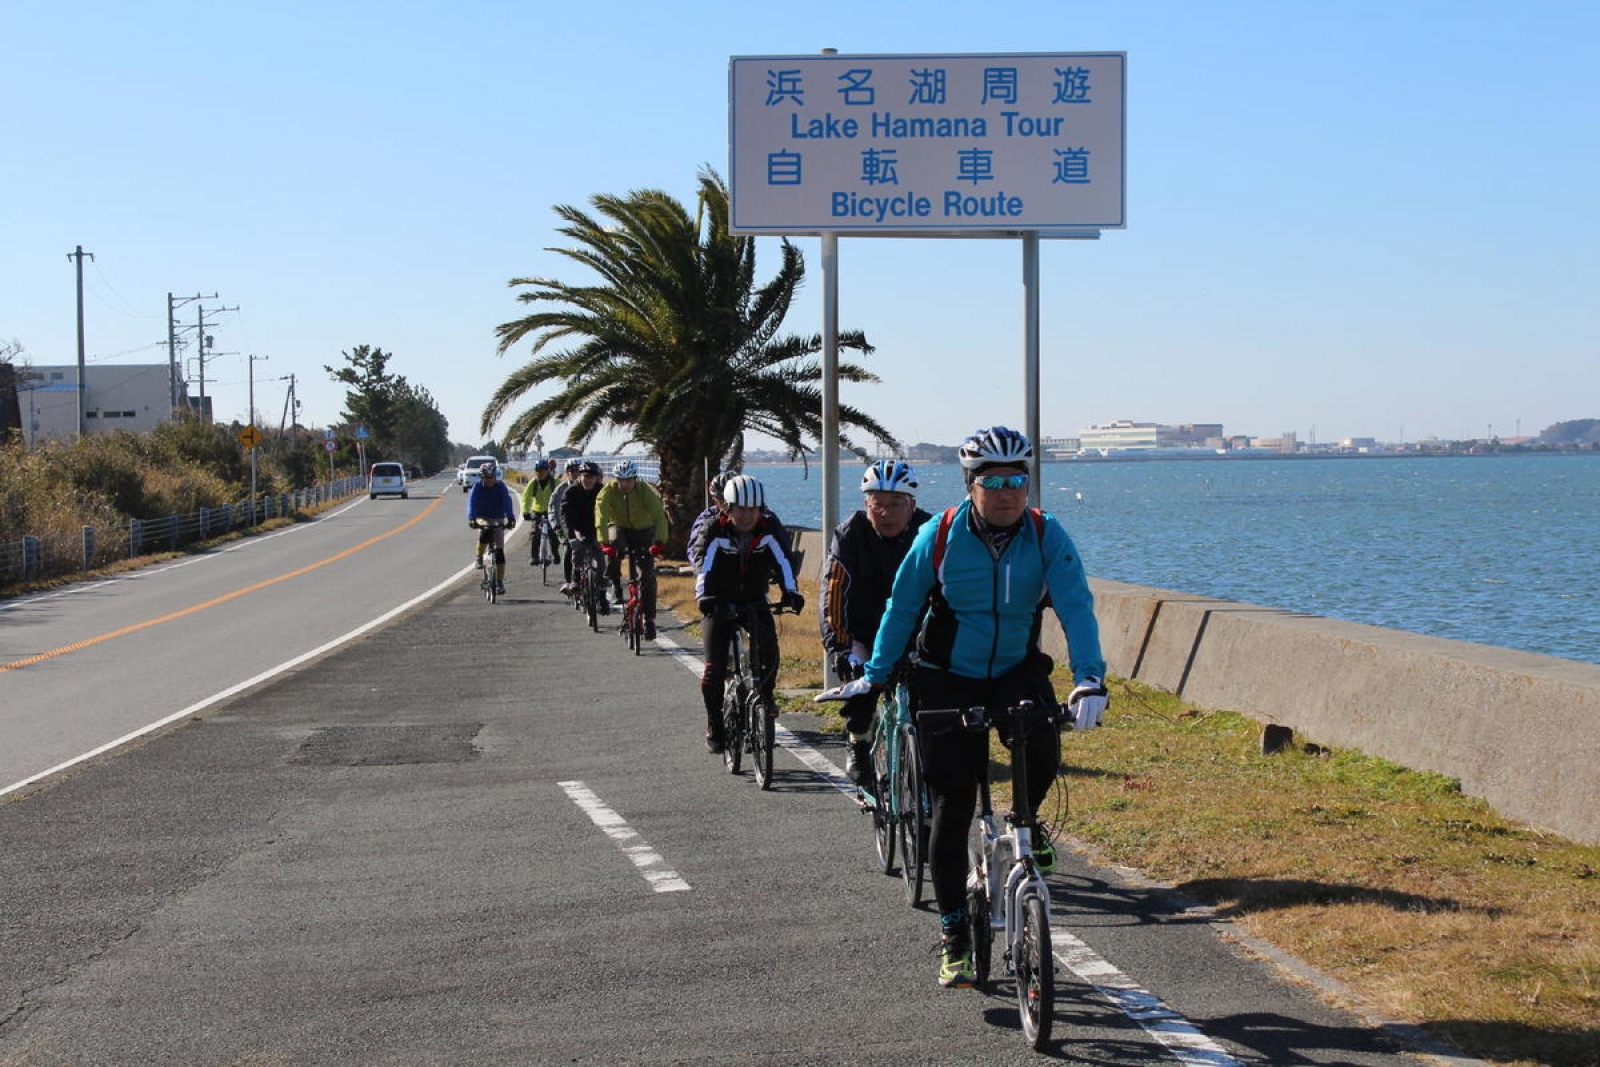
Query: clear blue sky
[1359, 218]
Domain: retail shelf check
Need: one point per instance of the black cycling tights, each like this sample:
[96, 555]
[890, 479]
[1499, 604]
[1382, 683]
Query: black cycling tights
[954, 760]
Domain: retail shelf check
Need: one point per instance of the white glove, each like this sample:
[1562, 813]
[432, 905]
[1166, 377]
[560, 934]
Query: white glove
[844, 692]
[1087, 703]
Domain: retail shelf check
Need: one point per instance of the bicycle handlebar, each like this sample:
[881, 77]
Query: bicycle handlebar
[735, 611]
[981, 718]
[488, 524]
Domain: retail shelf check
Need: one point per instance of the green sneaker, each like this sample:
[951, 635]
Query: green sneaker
[955, 965]
[1044, 848]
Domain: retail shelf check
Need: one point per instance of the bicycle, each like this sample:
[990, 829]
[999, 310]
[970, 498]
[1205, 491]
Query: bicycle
[589, 579]
[490, 582]
[541, 549]
[900, 809]
[632, 625]
[1005, 890]
[747, 724]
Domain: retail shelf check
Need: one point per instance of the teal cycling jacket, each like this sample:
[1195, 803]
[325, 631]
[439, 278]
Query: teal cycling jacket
[982, 613]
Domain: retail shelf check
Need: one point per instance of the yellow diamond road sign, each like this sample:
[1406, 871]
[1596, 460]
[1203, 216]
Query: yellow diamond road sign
[249, 437]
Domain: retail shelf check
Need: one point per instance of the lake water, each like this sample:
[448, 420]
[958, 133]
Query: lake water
[1499, 550]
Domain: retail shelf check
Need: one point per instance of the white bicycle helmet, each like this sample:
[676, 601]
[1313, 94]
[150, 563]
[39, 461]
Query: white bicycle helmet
[889, 476]
[996, 447]
[743, 491]
[626, 469]
[490, 469]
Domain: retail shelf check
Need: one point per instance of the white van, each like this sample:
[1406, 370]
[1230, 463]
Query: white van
[387, 479]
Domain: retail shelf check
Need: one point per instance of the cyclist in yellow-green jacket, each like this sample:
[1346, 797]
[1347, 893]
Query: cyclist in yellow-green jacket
[630, 520]
[536, 506]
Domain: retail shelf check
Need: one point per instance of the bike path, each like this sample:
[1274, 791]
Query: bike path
[486, 835]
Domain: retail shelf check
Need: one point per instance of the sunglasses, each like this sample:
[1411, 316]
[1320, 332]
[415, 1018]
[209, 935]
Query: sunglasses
[1003, 481]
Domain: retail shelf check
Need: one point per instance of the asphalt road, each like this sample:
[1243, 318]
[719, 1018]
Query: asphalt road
[484, 835]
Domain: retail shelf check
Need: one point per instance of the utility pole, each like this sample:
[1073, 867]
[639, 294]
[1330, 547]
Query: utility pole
[83, 396]
[173, 303]
[291, 406]
[252, 359]
[203, 342]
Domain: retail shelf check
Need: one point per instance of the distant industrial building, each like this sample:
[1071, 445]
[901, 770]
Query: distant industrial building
[1125, 435]
[125, 396]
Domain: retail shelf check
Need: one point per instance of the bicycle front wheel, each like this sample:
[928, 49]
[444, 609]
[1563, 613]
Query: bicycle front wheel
[1036, 990]
[911, 800]
[733, 726]
[763, 737]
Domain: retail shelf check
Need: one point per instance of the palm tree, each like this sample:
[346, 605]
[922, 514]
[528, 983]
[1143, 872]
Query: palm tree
[676, 345]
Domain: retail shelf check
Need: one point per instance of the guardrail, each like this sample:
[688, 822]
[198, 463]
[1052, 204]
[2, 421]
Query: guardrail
[36, 558]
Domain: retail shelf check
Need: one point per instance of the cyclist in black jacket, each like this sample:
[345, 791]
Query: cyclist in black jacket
[865, 553]
[740, 556]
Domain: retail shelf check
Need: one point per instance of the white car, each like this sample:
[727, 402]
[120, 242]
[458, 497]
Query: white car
[387, 479]
[467, 474]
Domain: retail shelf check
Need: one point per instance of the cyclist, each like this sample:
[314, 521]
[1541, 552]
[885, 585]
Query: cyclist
[490, 499]
[536, 497]
[558, 521]
[577, 517]
[979, 606]
[865, 553]
[630, 520]
[718, 505]
[740, 556]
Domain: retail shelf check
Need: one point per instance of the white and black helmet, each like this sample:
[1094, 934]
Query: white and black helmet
[889, 476]
[625, 469]
[720, 481]
[996, 447]
[743, 491]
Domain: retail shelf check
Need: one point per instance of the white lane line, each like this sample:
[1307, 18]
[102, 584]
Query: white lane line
[270, 672]
[651, 865]
[1182, 1038]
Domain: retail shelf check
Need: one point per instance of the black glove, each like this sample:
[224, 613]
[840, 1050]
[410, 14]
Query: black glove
[528, 515]
[708, 605]
[843, 669]
[511, 525]
[472, 524]
[794, 601]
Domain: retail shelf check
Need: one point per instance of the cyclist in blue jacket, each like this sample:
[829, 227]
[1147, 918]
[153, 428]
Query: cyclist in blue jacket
[490, 499]
[979, 608]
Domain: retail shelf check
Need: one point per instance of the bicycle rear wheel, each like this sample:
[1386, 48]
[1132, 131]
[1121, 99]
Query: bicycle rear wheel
[911, 800]
[978, 927]
[1036, 991]
[591, 602]
[763, 738]
[883, 824]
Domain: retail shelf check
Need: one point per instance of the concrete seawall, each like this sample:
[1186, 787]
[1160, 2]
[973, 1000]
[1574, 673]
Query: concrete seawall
[1519, 730]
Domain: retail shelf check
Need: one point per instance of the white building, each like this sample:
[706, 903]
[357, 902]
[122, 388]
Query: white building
[120, 396]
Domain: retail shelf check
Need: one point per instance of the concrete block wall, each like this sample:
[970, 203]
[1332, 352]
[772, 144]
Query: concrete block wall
[1519, 730]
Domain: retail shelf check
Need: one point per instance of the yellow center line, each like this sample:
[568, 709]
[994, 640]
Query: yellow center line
[136, 627]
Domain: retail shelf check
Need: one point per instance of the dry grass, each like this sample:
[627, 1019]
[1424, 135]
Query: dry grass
[1424, 901]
